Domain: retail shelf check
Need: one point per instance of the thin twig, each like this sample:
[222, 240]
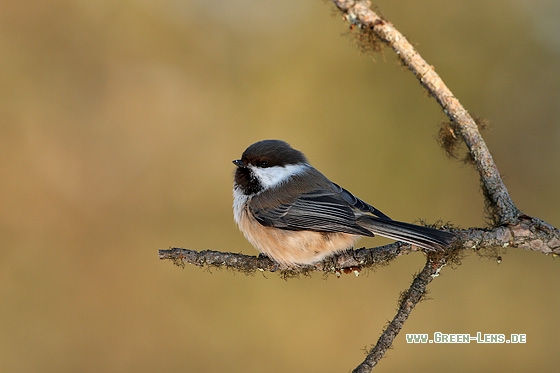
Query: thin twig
[408, 301]
[350, 259]
[360, 16]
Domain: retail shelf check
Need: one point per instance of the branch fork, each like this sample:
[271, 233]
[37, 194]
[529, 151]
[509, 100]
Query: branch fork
[512, 228]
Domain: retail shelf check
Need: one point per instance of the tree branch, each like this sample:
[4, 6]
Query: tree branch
[528, 234]
[408, 301]
[350, 259]
[360, 16]
[513, 228]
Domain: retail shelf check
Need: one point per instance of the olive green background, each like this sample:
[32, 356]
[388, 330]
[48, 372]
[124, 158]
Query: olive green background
[119, 121]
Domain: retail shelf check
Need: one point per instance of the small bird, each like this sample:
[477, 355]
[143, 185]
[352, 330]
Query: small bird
[293, 214]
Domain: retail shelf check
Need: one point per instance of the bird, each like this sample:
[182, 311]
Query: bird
[292, 213]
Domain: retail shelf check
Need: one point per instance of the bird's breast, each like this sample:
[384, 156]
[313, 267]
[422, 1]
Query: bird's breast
[288, 247]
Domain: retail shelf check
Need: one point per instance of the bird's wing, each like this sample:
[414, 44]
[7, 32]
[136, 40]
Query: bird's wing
[319, 210]
[358, 203]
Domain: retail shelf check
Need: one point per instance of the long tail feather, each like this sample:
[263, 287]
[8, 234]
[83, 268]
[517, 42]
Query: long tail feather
[428, 238]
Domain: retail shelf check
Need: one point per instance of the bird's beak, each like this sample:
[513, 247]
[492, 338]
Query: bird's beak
[239, 163]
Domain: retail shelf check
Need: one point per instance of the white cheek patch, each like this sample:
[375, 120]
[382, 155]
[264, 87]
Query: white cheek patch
[276, 175]
[239, 201]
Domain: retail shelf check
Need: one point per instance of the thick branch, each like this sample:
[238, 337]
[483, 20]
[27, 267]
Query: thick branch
[408, 301]
[359, 14]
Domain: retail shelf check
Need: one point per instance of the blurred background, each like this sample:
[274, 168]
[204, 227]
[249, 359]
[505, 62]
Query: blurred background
[118, 124]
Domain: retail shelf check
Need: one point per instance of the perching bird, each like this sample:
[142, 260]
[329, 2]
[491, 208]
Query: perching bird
[295, 215]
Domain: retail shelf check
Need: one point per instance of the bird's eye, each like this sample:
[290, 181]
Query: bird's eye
[263, 164]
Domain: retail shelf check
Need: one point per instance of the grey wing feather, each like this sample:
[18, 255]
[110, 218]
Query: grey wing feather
[334, 211]
[358, 203]
[320, 211]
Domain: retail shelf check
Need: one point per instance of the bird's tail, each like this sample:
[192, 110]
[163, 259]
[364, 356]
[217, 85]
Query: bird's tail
[427, 238]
